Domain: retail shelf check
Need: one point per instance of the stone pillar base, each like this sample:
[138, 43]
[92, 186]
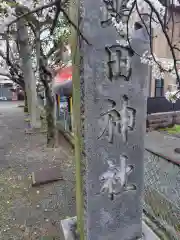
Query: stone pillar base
[70, 231]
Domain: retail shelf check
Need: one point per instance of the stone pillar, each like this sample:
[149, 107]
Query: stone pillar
[115, 113]
[113, 91]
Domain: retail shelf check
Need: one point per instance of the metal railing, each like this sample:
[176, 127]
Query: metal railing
[162, 194]
[65, 118]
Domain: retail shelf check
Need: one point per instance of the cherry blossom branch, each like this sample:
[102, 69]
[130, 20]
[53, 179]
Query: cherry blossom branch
[167, 38]
[14, 73]
[154, 16]
[74, 25]
[51, 4]
[127, 27]
[51, 51]
[60, 9]
[149, 31]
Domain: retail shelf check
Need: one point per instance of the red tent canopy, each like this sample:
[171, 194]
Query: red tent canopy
[63, 82]
[64, 74]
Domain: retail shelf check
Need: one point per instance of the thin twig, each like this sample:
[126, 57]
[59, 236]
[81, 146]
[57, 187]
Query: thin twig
[75, 27]
[33, 11]
[166, 36]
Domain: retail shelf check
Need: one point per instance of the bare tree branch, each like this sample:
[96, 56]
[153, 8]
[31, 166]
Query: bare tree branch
[167, 38]
[58, 10]
[33, 11]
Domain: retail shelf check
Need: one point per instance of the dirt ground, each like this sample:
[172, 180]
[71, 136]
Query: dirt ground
[28, 212]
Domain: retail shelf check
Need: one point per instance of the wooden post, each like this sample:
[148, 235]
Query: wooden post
[59, 99]
[71, 113]
[75, 13]
[58, 105]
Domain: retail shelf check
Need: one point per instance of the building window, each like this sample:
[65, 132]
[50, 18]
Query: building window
[159, 87]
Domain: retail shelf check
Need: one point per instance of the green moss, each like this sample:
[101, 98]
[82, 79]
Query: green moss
[172, 130]
[25, 109]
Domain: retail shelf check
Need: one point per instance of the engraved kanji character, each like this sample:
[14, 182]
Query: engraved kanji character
[120, 121]
[111, 118]
[118, 62]
[127, 118]
[115, 178]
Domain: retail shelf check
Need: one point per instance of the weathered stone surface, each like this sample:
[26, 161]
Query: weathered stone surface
[156, 121]
[46, 175]
[69, 227]
[160, 119]
[115, 153]
[177, 119]
[160, 115]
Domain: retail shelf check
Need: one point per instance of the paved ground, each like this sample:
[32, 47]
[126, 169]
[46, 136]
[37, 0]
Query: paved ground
[163, 145]
[27, 212]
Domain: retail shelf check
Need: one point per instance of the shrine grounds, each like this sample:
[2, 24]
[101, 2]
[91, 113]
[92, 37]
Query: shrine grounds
[28, 212]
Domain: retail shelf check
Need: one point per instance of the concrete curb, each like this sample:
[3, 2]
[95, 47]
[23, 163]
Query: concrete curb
[69, 227]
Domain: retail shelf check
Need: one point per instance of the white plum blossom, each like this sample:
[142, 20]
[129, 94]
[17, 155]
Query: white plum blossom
[119, 26]
[145, 8]
[146, 12]
[10, 7]
[172, 96]
[155, 62]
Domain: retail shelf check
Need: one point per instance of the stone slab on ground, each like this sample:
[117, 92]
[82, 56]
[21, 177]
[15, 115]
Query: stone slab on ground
[47, 175]
[163, 145]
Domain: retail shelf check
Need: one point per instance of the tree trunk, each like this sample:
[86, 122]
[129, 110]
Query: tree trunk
[29, 78]
[25, 103]
[50, 104]
[51, 128]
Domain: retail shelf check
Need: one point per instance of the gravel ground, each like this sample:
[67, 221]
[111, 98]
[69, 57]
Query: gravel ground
[28, 212]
